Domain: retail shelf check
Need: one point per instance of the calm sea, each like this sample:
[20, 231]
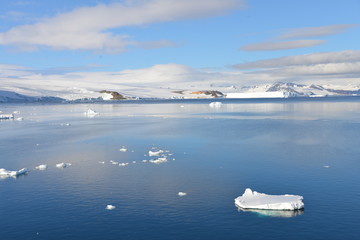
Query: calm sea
[308, 147]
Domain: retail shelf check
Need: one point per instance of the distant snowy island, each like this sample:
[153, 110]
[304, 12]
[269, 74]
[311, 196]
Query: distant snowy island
[114, 92]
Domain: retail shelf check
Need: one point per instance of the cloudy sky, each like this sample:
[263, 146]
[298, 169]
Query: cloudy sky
[242, 42]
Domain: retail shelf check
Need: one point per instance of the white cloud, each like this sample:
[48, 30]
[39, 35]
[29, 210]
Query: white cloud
[306, 59]
[89, 28]
[322, 68]
[309, 32]
[271, 46]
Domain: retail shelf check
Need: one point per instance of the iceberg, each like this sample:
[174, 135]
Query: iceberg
[110, 207]
[123, 149]
[159, 160]
[254, 200]
[63, 165]
[181, 194]
[41, 167]
[90, 113]
[215, 104]
[155, 153]
[5, 173]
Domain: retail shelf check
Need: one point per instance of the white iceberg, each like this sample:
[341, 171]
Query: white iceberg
[123, 164]
[159, 160]
[215, 104]
[123, 149]
[5, 173]
[41, 167]
[254, 200]
[91, 113]
[181, 194]
[110, 207]
[63, 165]
[155, 153]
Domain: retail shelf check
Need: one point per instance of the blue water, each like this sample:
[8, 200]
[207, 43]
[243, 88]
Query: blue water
[271, 146]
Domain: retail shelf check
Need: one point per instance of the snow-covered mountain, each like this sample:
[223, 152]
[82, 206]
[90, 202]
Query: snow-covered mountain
[121, 92]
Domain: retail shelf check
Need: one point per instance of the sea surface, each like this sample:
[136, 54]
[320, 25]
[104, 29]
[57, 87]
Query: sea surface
[307, 147]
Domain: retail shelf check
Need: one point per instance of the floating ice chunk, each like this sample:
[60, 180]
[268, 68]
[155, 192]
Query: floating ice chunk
[6, 116]
[134, 162]
[181, 194]
[63, 165]
[114, 162]
[123, 149]
[254, 200]
[215, 104]
[110, 207]
[123, 164]
[326, 166]
[159, 160]
[16, 112]
[155, 153]
[5, 173]
[41, 167]
[101, 162]
[91, 113]
[144, 161]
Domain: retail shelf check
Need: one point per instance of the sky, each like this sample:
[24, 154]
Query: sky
[239, 42]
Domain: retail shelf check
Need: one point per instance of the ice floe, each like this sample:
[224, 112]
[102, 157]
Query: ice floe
[5, 173]
[123, 149]
[155, 153]
[159, 160]
[110, 207]
[254, 200]
[63, 165]
[6, 116]
[41, 167]
[215, 104]
[181, 194]
[123, 164]
[91, 113]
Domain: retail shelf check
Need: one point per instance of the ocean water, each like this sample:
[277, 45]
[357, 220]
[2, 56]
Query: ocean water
[307, 147]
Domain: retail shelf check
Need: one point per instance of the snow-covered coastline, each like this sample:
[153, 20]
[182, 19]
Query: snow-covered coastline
[119, 93]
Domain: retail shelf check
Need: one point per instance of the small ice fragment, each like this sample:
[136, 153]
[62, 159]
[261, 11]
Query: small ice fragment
[90, 113]
[16, 112]
[113, 162]
[133, 161]
[123, 164]
[67, 124]
[182, 106]
[155, 153]
[101, 162]
[5, 173]
[181, 194]
[254, 200]
[19, 119]
[41, 167]
[123, 149]
[326, 166]
[215, 104]
[63, 165]
[159, 160]
[110, 207]
[144, 161]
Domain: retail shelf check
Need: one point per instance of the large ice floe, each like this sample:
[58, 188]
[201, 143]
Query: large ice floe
[254, 200]
[5, 173]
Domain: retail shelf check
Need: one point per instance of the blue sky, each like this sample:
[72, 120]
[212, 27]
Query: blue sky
[273, 40]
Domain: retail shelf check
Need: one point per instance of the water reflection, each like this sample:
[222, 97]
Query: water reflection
[273, 213]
